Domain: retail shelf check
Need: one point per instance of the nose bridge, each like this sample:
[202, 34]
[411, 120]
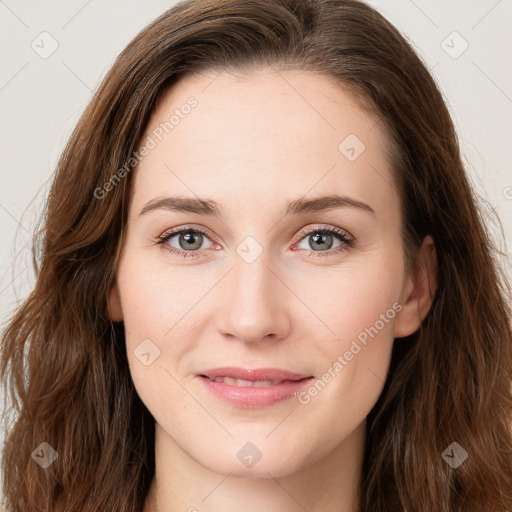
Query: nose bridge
[253, 281]
[254, 306]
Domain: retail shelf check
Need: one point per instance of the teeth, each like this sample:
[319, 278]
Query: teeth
[245, 383]
[262, 383]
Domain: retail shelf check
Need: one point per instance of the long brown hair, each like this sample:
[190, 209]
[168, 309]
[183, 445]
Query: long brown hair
[64, 364]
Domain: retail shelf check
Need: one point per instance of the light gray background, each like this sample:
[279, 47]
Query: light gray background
[41, 98]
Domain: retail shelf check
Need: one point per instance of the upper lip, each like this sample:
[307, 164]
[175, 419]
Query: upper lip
[253, 375]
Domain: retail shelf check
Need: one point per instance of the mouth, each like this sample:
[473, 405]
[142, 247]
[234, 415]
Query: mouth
[252, 388]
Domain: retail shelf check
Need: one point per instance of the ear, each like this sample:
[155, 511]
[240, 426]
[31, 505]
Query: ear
[418, 292]
[115, 311]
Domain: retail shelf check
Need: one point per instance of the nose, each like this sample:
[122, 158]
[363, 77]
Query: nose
[254, 302]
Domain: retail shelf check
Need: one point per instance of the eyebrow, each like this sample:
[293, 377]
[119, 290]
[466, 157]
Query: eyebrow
[295, 208]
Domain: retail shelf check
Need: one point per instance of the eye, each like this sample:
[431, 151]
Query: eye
[189, 241]
[322, 239]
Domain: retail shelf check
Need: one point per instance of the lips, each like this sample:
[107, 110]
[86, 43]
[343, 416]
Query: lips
[236, 376]
[250, 389]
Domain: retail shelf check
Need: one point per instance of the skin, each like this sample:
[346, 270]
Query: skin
[253, 143]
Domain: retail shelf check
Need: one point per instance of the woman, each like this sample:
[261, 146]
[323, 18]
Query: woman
[190, 346]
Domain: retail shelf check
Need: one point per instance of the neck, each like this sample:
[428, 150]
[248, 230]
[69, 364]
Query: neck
[331, 484]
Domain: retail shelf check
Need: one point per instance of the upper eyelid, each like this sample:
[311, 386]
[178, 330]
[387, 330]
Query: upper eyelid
[176, 231]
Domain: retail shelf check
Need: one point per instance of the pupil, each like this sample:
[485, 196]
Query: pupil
[188, 237]
[321, 236]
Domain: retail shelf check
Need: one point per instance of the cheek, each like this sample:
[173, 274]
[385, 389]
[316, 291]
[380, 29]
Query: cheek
[154, 296]
[361, 314]
[355, 297]
[352, 366]
[160, 314]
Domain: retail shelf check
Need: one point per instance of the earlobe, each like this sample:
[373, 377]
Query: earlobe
[115, 311]
[419, 290]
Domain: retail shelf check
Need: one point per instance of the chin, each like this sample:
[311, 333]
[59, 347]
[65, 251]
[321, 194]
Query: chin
[275, 461]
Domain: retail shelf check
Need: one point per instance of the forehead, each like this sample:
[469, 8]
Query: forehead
[263, 135]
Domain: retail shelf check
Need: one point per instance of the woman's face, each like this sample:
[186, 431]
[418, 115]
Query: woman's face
[258, 284]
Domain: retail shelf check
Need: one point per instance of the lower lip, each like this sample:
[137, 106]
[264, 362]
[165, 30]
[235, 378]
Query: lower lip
[254, 397]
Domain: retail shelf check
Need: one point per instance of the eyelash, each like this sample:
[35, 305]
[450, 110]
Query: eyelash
[338, 233]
